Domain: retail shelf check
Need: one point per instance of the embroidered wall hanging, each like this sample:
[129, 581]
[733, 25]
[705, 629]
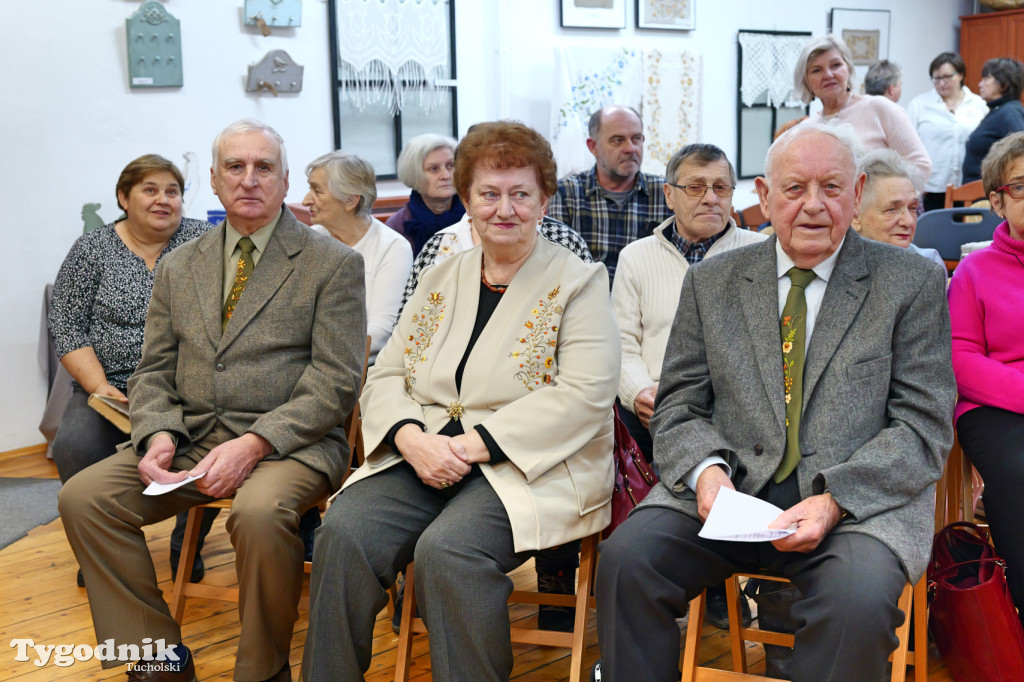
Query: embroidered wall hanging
[586, 79]
[671, 106]
[768, 63]
[384, 44]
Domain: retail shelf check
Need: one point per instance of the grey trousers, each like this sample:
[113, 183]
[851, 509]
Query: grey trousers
[104, 511]
[84, 437]
[654, 563]
[461, 540]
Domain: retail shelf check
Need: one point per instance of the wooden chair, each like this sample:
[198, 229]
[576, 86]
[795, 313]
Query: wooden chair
[582, 601]
[913, 596]
[946, 230]
[964, 194]
[183, 589]
[751, 217]
[385, 207]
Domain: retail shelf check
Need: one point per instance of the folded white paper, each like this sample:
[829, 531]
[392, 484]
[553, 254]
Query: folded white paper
[739, 517]
[155, 488]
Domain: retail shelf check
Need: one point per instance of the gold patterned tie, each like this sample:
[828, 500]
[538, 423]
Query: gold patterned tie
[241, 278]
[793, 327]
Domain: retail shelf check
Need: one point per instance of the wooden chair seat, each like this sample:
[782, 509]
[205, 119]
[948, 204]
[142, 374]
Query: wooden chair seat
[913, 598]
[582, 601]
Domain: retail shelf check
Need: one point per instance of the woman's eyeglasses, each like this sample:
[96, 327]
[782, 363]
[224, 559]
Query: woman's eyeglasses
[1015, 190]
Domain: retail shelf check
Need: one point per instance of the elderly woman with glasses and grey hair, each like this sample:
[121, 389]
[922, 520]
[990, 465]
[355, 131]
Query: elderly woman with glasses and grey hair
[825, 71]
[988, 357]
[342, 189]
[426, 165]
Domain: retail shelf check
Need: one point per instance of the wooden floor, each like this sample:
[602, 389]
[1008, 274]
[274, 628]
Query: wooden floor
[39, 600]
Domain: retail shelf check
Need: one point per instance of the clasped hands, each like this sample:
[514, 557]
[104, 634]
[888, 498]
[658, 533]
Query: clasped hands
[814, 517]
[226, 466]
[439, 460]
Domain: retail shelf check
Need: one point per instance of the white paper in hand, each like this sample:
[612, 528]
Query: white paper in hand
[738, 517]
[155, 488]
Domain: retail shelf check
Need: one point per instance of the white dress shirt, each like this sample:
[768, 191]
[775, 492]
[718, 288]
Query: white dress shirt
[945, 134]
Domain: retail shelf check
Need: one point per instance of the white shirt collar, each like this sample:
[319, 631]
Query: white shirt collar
[823, 269]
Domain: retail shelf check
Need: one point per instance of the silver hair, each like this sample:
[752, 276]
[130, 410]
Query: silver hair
[348, 176]
[250, 125]
[885, 163]
[811, 50]
[700, 154]
[881, 76]
[840, 130]
[415, 152]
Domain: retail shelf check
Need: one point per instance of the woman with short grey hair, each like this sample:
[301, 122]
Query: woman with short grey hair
[425, 166]
[342, 189]
[825, 71]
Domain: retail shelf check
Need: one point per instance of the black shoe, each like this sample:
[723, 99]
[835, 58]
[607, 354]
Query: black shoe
[717, 613]
[396, 620]
[558, 618]
[81, 579]
[308, 523]
[164, 671]
[595, 672]
[198, 569]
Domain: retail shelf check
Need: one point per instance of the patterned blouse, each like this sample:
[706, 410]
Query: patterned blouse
[101, 296]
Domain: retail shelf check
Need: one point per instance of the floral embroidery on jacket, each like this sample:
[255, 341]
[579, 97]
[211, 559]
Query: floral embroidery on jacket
[426, 323]
[538, 345]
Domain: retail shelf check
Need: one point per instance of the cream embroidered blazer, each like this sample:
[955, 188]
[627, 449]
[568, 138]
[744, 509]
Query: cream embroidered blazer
[541, 379]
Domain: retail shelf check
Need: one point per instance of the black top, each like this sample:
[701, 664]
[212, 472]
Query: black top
[1006, 116]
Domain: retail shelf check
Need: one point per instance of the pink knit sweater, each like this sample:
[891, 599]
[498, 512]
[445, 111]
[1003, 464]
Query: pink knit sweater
[883, 124]
[986, 308]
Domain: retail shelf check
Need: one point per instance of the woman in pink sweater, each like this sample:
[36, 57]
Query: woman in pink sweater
[986, 306]
[825, 71]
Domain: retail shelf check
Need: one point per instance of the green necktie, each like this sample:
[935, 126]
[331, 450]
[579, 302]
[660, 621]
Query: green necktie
[241, 278]
[793, 327]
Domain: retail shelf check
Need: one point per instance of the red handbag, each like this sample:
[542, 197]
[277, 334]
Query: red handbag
[972, 617]
[633, 476]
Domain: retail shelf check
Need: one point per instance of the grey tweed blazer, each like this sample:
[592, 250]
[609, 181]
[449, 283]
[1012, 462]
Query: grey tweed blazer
[878, 388]
[288, 365]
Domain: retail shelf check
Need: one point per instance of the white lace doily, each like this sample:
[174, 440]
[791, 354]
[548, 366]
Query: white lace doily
[768, 63]
[671, 110]
[383, 42]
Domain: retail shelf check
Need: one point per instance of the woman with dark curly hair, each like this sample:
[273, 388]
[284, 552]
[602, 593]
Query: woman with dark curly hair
[1000, 86]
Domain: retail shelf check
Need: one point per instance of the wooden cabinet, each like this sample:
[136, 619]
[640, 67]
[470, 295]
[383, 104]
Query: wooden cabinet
[990, 35]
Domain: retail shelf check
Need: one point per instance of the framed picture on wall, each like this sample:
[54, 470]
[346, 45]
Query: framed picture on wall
[865, 32]
[593, 13]
[674, 15]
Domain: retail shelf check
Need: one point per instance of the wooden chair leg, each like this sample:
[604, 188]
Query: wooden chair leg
[899, 657]
[403, 659]
[185, 560]
[691, 648]
[732, 594]
[588, 559]
[920, 603]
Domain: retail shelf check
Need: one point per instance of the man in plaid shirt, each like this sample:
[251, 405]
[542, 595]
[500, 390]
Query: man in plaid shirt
[613, 203]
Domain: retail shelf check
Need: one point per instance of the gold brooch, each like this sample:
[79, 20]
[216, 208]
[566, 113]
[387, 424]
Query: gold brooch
[456, 410]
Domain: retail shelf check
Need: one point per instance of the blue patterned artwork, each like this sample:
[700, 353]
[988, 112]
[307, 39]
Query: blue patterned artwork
[274, 13]
[154, 47]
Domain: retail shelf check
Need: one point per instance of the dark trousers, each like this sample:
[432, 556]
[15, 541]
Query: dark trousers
[655, 563]
[993, 439]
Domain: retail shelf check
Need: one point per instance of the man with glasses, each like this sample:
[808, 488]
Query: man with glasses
[613, 203]
[699, 184]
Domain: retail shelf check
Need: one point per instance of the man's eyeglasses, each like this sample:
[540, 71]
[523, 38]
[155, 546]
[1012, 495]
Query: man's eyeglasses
[699, 190]
[1015, 190]
[942, 79]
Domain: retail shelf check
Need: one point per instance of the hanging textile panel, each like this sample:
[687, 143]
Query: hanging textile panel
[768, 63]
[385, 42]
[586, 79]
[671, 105]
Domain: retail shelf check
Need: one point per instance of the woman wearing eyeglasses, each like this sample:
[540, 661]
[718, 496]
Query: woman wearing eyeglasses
[1001, 82]
[699, 182]
[986, 298]
[944, 118]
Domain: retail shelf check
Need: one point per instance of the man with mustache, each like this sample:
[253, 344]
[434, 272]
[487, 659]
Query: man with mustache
[613, 203]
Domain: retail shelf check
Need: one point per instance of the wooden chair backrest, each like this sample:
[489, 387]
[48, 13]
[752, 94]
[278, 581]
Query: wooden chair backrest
[965, 194]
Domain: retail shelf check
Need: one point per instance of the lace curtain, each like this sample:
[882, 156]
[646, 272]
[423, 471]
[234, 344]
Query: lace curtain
[768, 63]
[383, 44]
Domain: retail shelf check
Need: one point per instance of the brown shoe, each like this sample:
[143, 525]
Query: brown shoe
[158, 671]
[283, 675]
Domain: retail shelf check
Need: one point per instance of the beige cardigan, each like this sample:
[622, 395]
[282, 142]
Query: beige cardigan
[541, 378]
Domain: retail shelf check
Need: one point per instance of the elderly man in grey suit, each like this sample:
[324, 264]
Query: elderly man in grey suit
[813, 371]
[252, 356]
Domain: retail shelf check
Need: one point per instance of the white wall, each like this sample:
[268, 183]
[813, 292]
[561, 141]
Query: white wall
[70, 123]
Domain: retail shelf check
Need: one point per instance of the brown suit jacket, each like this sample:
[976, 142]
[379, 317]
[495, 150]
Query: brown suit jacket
[286, 368]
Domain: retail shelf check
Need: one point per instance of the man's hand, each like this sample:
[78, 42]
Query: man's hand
[156, 464]
[711, 480]
[229, 464]
[643, 405]
[470, 447]
[814, 517]
[431, 455]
